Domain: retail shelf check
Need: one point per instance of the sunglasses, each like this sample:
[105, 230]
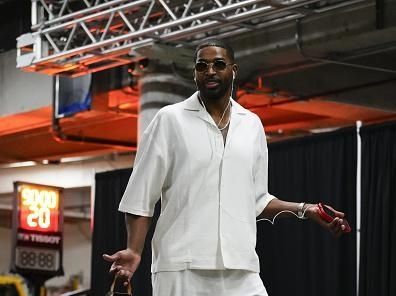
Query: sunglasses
[218, 65]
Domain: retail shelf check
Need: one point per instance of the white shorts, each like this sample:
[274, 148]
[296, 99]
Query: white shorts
[195, 282]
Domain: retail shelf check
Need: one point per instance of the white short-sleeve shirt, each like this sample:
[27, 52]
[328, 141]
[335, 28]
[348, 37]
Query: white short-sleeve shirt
[210, 193]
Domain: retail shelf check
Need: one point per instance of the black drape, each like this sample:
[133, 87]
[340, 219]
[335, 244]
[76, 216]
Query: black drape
[109, 234]
[299, 257]
[378, 222]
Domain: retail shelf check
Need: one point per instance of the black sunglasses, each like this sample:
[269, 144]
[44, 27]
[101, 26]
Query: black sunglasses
[218, 65]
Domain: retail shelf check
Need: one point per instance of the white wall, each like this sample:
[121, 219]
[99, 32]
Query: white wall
[76, 255]
[21, 91]
[5, 247]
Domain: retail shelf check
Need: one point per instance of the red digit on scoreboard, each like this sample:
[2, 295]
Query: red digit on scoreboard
[38, 208]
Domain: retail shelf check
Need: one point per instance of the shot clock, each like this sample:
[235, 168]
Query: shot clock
[37, 230]
[39, 209]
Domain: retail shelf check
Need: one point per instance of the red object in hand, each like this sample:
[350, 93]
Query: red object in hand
[328, 214]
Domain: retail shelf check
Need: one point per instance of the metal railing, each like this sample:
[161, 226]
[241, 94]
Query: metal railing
[81, 36]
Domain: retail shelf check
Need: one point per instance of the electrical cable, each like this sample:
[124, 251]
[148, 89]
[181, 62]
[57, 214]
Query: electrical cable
[272, 221]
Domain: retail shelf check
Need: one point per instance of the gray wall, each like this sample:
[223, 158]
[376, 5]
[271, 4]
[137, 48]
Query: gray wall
[21, 91]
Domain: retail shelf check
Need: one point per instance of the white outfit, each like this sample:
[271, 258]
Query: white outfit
[210, 193]
[195, 282]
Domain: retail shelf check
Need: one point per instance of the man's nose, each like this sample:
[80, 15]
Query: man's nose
[211, 71]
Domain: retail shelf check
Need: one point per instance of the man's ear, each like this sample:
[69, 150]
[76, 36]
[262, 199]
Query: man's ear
[234, 70]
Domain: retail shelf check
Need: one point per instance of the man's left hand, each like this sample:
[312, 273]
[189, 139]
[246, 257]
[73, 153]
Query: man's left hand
[335, 227]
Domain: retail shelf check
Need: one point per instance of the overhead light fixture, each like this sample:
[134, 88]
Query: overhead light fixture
[76, 158]
[126, 105]
[18, 164]
[323, 130]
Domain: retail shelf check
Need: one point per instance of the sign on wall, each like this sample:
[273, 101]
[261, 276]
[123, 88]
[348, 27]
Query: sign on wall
[72, 95]
[37, 230]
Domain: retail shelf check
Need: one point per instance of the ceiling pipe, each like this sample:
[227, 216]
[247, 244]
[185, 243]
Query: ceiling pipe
[311, 64]
[60, 136]
[299, 45]
[294, 99]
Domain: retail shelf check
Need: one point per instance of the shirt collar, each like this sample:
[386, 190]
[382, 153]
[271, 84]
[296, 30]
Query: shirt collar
[193, 104]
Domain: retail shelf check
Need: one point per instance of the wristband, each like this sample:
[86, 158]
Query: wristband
[300, 211]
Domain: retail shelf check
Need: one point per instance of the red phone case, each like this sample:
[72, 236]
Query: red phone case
[329, 218]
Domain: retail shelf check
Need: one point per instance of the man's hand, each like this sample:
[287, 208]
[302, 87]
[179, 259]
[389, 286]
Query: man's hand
[335, 227]
[124, 265]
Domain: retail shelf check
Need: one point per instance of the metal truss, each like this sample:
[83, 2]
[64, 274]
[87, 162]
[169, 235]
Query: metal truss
[74, 37]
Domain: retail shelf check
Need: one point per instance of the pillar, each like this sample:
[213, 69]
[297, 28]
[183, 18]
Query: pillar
[161, 85]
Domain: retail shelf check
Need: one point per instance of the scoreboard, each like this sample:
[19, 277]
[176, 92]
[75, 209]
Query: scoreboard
[39, 208]
[37, 230]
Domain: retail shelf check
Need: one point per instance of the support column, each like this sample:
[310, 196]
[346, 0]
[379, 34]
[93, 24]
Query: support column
[160, 86]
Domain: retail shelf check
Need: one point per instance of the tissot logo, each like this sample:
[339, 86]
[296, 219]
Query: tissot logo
[39, 238]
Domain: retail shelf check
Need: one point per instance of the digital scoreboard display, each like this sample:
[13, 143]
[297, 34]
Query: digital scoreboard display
[38, 208]
[38, 230]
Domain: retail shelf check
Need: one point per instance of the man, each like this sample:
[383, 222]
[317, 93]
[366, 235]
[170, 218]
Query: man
[206, 157]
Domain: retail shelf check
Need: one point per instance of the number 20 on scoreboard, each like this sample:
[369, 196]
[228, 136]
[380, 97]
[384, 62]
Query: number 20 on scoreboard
[39, 208]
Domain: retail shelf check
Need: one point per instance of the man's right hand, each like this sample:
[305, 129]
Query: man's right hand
[124, 265]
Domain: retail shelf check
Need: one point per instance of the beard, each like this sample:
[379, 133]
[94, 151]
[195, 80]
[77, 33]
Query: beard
[216, 93]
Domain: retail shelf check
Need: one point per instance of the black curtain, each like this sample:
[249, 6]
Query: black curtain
[378, 222]
[299, 257]
[109, 234]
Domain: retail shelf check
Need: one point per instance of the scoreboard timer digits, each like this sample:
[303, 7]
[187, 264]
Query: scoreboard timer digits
[39, 209]
[36, 258]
